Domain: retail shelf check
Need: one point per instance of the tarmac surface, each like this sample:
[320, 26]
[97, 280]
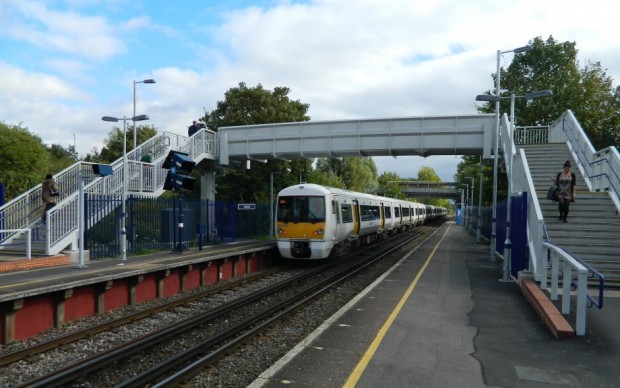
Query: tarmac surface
[443, 318]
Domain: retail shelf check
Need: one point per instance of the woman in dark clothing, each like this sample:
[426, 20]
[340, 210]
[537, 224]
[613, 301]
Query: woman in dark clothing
[565, 182]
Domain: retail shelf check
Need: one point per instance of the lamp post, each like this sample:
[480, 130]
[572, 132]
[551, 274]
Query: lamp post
[124, 197]
[479, 223]
[462, 199]
[146, 81]
[471, 200]
[466, 220]
[496, 143]
[509, 159]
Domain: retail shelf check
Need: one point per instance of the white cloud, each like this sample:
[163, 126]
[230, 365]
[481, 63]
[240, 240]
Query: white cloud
[347, 59]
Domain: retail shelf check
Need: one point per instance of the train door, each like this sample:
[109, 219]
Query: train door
[356, 217]
[381, 216]
[338, 230]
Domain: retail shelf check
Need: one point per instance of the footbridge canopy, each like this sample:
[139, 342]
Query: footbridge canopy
[409, 136]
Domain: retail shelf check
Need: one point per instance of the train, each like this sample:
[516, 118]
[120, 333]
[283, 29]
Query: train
[316, 222]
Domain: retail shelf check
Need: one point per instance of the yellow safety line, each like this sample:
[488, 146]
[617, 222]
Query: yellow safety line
[363, 363]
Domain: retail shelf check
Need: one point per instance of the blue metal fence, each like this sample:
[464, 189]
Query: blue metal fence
[156, 224]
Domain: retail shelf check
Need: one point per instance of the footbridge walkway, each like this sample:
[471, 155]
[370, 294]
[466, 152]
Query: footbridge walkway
[417, 136]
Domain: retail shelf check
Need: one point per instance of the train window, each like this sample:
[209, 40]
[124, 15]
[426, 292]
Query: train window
[388, 212]
[370, 212]
[397, 212]
[347, 213]
[301, 209]
[405, 212]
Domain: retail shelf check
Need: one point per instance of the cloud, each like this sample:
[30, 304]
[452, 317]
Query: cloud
[59, 31]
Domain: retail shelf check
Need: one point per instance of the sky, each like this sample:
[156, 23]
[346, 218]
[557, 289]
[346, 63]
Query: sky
[66, 63]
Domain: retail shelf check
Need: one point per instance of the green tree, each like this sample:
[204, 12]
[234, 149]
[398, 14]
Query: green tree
[247, 106]
[428, 174]
[587, 91]
[25, 160]
[113, 144]
[388, 185]
[61, 158]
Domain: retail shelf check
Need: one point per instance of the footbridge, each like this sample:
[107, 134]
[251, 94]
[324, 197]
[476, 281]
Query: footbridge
[411, 136]
[422, 189]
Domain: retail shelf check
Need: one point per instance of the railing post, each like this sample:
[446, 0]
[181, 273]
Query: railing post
[555, 264]
[566, 283]
[582, 280]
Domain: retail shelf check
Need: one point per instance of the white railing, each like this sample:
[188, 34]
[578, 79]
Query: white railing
[568, 265]
[601, 169]
[28, 242]
[522, 183]
[143, 178]
[531, 135]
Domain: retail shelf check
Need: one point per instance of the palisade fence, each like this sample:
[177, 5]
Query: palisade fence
[153, 224]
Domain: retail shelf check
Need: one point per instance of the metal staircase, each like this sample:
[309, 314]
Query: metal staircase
[61, 230]
[591, 233]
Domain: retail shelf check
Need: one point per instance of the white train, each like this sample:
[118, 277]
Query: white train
[314, 221]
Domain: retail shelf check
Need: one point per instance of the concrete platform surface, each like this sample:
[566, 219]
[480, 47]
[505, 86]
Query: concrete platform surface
[442, 318]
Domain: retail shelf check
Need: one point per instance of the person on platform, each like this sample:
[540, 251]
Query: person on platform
[565, 182]
[49, 192]
[192, 129]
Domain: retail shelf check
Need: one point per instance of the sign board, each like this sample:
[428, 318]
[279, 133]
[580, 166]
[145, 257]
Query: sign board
[246, 206]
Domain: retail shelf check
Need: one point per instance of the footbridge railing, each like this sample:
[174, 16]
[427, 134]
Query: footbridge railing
[144, 178]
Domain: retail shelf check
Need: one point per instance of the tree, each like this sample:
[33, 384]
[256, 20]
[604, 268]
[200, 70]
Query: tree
[61, 158]
[587, 91]
[113, 144]
[25, 160]
[249, 106]
[388, 185]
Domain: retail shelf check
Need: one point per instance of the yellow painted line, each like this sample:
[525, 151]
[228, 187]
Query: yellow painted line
[372, 349]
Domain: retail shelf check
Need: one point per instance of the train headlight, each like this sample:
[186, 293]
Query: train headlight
[282, 232]
[318, 232]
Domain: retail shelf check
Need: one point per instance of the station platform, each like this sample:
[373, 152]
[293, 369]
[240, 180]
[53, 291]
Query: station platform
[40, 293]
[442, 317]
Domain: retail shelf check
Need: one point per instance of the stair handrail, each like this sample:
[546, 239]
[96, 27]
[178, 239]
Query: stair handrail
[64, 217]
[600, 168]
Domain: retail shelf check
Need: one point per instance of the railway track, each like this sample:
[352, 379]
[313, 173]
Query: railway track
[181, 365]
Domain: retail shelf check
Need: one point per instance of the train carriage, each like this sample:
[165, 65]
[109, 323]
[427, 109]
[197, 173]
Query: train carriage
[313, 221]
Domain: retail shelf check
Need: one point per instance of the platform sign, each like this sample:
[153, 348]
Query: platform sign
[246, 206]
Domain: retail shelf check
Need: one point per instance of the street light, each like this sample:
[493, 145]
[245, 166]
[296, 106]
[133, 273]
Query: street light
[123, 215]
[466, 203]
[146, 81]
[471, 201]
[496, 147]
[479, 223]
[509, 160]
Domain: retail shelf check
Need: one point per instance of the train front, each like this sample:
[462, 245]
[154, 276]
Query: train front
[302, 228]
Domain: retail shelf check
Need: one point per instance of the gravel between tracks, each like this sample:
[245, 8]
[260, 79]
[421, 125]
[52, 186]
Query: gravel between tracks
[235, 370]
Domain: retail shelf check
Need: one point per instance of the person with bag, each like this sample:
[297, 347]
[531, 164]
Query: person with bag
[49, 192]
[565, 182]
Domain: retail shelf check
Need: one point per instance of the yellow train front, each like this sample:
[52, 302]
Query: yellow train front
[314, 222]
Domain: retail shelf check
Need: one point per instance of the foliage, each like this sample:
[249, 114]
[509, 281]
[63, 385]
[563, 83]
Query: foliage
[587, 91]
[61, 158]
[113, 144]
[388, 185]
[25, 160]
[248, 106]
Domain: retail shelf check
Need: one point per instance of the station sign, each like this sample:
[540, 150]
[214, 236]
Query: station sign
[246, 206]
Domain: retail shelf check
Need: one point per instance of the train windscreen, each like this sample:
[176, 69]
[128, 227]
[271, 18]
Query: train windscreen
[301, 209]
